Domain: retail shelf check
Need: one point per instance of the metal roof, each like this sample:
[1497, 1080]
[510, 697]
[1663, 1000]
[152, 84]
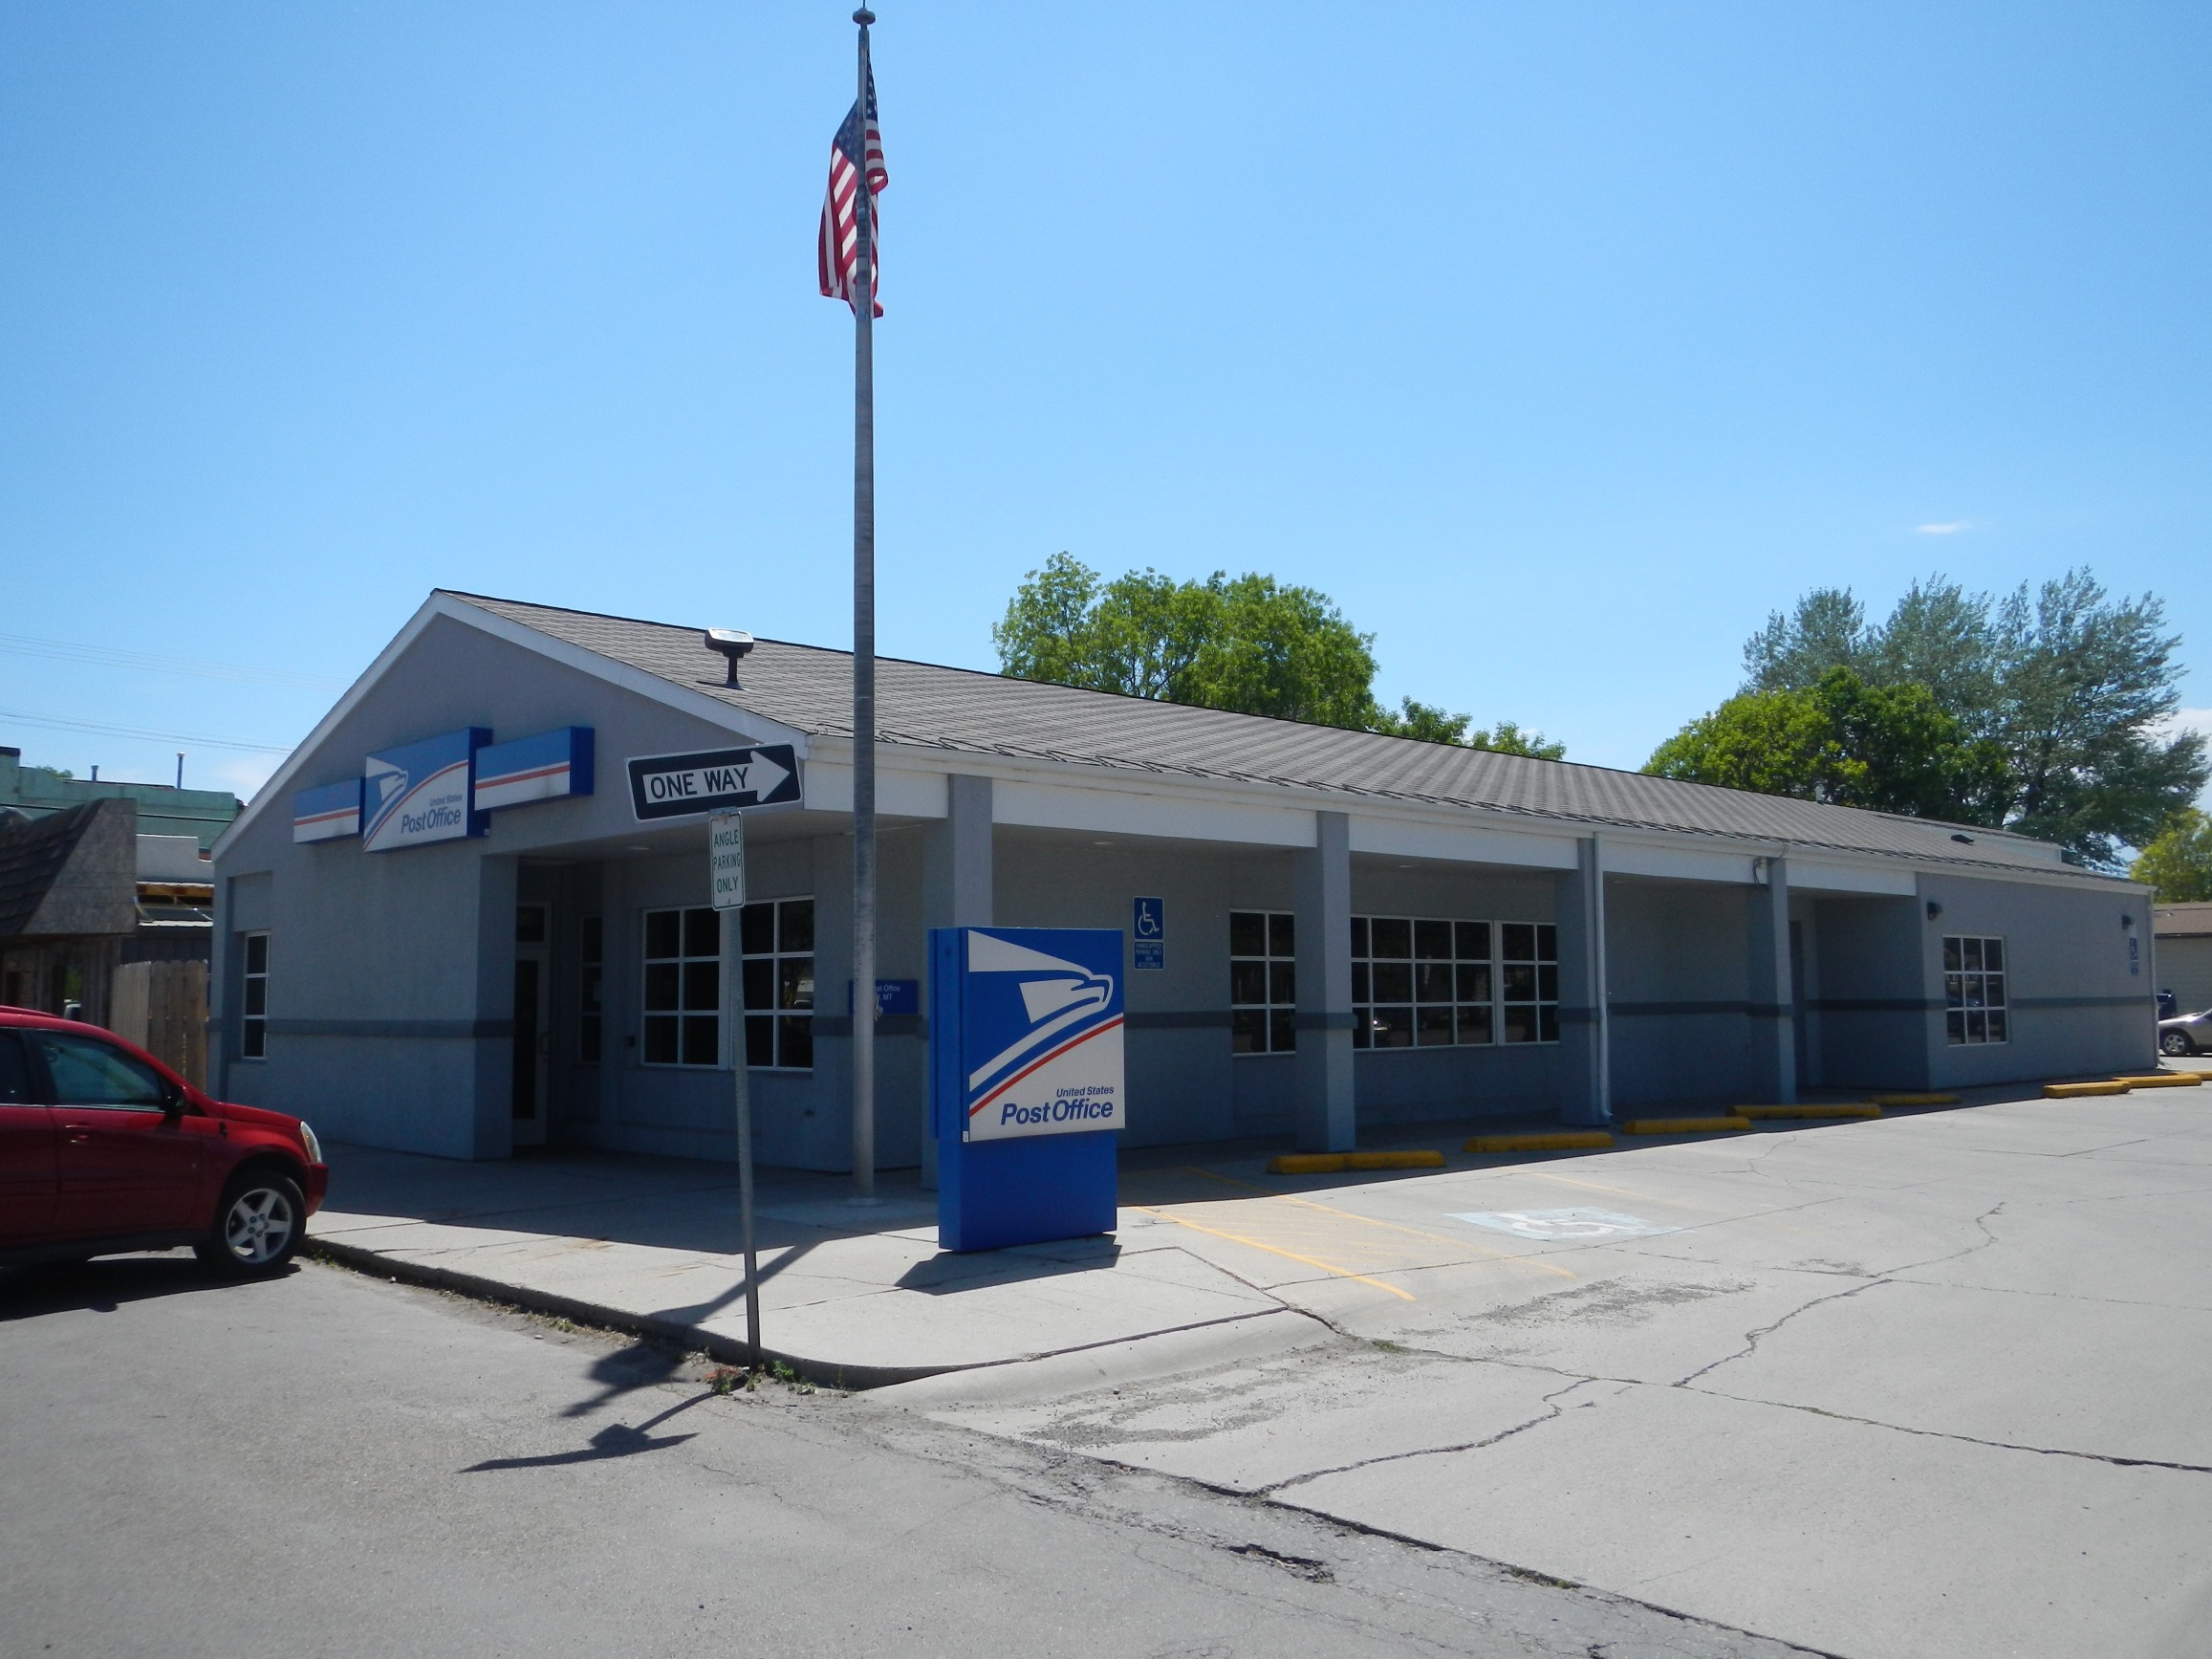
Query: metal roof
[2181, 920]
[965, 710]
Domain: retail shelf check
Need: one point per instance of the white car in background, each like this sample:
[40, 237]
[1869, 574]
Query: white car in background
[2186, 1035]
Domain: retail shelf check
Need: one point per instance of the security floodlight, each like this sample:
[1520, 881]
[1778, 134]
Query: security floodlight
[733, 644]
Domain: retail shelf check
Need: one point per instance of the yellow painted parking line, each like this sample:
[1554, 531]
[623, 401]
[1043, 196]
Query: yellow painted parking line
[1912, 1100]
[1329, 1267]
[1576, 1140]
[1684, 1126]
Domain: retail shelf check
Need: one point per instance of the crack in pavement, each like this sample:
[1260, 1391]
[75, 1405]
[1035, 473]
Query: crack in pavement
[1753, 1338]
[1552, 1400]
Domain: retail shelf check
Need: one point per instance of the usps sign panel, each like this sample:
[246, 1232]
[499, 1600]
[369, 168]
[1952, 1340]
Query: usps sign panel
[420, 793]
[1041, 1032]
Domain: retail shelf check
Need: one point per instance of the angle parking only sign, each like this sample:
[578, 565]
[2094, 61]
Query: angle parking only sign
[684, 785]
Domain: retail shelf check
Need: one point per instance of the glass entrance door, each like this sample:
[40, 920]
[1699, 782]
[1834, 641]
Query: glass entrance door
[532, 1023]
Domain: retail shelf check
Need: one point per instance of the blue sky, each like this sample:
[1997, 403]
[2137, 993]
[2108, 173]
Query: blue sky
[1559, 344]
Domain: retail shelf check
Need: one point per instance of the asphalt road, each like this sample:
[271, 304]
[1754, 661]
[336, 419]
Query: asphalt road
[324, 1464]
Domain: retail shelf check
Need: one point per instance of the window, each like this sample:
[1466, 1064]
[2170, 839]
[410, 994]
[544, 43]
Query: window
[683, 987]
[85, 1072]
[588, 983]
[1422, 982]
[254, 1027]
[1974, 1008]
[1263, 982]
[14, 1071]
[777, 937]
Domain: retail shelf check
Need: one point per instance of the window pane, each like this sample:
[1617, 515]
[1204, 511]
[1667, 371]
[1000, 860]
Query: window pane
[702, 934]
[1955, 1025]
[1361, 1037]
[1994, 990]
[1547, 942]
[660, 1039]
[660, 985]
[1976, 1031]
[1547, 1024]
[1247, 933]
[701, 987]
[530, 924]
[257, 996]
[1432, 941]
[1520, 982]
[1954, 990]
[794, 1042]
[795, 982]
[795, 928]
[760, 985]
[1970, 953]
[1475, 1023]
[594, 938]
[1283, 983]
[1393, 1028]
[1359, 935]
[1521, 1024]
[252, 1040]
[1993, 955]
[1519, 941]
[1391, 936]
[1392, 981]
[1360, 982]
[1973, 996]
[663, 933]
[589, 987]
[257, 953]
[1434, 1027]
[699, 1039]
[1548, 982]
[1432, 982]
[1997, 1027]
[588, 1039]
[1282, 1030]
[1247, 982]
[1474, 982]
[760, 1041]
[756, 930]
[1472, 940]
[1249, 1030]
[1282, 938]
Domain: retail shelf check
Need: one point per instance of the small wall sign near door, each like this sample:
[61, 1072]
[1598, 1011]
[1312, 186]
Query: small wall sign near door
[1581, 1226]
[1148, 935]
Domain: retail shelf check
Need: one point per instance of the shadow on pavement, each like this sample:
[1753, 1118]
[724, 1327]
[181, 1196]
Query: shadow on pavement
[104, 1284]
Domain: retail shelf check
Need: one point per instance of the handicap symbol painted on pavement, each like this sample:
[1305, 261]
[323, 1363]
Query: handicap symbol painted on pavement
[1583, 1226]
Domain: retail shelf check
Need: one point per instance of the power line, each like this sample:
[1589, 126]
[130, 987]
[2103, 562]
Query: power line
[118, 657]
[104, 731]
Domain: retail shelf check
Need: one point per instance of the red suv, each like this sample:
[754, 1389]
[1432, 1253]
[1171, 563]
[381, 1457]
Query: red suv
[103, 1148]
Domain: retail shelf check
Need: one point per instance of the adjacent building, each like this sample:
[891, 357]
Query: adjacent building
[2184, 946]
[456, 922]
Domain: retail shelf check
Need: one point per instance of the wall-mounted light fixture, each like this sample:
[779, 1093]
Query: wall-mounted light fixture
[1934, 910]
[2126, 920]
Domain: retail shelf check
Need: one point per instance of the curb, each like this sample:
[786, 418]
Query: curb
[1685, 1125]
[1571, 1140]
[1808, 1113]
[726, 1350]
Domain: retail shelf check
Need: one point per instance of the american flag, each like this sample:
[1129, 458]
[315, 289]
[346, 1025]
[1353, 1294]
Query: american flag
[837, 250]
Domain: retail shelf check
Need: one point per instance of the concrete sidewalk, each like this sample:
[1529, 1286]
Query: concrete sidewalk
[850, 1295]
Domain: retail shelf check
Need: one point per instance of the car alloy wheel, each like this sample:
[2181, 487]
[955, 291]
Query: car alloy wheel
[2175, 1042]
[259, 1226]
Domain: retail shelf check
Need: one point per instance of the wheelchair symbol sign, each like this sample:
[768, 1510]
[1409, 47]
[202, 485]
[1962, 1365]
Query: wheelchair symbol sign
[1588, 1225]
[1148, 934]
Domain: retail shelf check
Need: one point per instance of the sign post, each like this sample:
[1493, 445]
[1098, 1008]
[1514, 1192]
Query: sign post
[726, 864]
[1026, 1085]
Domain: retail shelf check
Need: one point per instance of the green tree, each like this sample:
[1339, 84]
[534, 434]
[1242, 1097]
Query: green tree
[2178, 863]
[1885, 748]
[1249, 643]
[2073, 688]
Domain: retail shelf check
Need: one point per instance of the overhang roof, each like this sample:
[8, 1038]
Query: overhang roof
[2181, 920]
[925, 706]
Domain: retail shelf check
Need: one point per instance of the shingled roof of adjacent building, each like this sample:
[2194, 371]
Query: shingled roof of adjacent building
[60, 873]
[924, 705]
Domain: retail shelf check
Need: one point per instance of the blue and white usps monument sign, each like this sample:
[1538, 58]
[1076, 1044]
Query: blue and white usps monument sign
[1025, 1083]
[420, 793]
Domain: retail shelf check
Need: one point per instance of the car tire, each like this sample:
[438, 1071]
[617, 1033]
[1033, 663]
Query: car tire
[2176, 1043]
[259, 1226]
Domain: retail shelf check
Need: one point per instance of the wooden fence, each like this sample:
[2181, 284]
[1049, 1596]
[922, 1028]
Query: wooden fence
[163, 1007]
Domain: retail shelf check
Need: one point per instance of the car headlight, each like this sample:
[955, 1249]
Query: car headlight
[314, 1146]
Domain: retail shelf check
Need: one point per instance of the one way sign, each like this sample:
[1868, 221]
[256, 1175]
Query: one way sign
[679, 785]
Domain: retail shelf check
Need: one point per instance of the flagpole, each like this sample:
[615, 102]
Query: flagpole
[863, 661]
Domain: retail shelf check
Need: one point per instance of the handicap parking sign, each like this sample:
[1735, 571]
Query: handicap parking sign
[1148, 935]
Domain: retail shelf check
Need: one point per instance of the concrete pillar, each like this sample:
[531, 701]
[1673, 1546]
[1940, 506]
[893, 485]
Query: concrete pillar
[956, 890]
[492, 1121]
[1585, 1033]
[1773, 1011]
[1326, 1116]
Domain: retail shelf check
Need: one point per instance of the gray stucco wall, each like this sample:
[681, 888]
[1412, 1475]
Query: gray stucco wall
[1865, 992]
[1679, 967]
[2184, 967]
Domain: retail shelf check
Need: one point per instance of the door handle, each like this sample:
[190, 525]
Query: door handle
[79, 1137]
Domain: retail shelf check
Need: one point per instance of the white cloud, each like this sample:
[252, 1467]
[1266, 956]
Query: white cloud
[1951, 529]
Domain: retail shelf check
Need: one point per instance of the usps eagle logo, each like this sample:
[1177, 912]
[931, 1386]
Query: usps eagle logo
[1053, 1040]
